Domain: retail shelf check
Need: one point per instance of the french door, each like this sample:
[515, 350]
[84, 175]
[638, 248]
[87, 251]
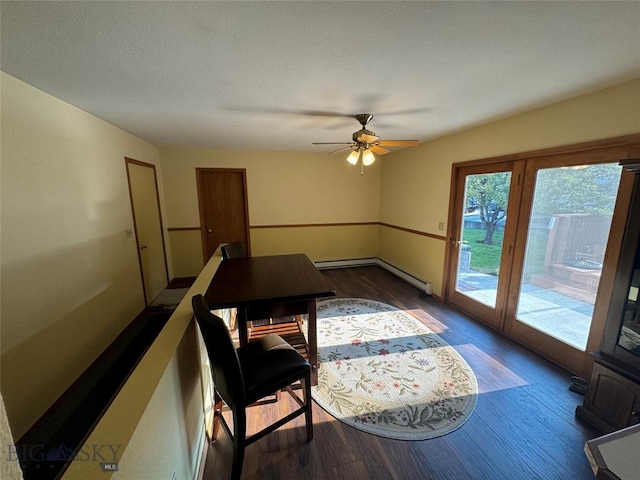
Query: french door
[528, 247]
[487, 198]
[562, 235]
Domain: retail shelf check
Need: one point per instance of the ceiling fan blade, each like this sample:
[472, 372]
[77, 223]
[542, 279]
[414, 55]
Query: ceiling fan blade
[332, 143]
[379, 150]
[408, 111]
[322, 113]
[341, 149]
[398, 143]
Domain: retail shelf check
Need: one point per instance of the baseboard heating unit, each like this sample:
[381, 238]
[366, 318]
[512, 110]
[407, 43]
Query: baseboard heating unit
[423, 285]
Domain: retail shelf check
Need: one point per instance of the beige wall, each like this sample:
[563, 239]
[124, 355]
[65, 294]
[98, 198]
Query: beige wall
[156, 423]
[9, 470]
[414, 191]
[186, 252]
[178, 438]
[70, 277]
[318, 243]
[284, 188]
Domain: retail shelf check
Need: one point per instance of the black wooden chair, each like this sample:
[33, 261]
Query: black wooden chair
[229, 251]
[233, 250]
[245, 375]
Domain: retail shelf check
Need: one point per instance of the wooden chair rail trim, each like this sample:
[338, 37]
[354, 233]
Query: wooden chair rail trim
[315, 225]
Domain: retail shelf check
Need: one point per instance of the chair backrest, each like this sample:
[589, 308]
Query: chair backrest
[225, 365]
[233, 250]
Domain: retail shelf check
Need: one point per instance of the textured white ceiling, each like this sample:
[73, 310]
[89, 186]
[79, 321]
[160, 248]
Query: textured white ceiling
[271, 75]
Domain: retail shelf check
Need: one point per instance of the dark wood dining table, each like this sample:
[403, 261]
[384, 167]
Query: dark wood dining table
[269, 287]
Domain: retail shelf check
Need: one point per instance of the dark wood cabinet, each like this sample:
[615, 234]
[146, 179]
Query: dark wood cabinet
[612, 400]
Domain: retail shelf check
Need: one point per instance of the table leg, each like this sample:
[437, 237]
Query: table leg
[313, 341]
[243, 334]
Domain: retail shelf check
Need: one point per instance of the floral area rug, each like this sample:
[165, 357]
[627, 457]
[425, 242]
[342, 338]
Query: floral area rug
[384, 372]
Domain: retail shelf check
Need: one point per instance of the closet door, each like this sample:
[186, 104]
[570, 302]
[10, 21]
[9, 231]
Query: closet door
[147, 220]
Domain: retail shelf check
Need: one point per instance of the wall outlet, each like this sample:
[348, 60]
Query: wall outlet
[128, 233]
[441, 226]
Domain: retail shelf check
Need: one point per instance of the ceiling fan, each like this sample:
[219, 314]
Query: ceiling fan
[365, 143]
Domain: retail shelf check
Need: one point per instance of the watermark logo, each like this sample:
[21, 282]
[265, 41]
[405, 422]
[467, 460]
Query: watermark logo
[106, 455]
[109, 466]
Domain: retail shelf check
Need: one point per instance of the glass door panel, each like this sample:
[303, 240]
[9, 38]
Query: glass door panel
[567, 236]
[481, 236]
[483, 231]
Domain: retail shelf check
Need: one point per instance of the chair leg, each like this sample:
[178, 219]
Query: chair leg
[217, 407]
[308, 415]
[239, 440]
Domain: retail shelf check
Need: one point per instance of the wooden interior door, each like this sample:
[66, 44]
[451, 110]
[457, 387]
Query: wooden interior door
[147, 220]
[224, 212]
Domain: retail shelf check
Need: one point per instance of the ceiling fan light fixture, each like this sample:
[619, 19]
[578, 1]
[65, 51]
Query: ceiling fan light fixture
[353, 157]
[366, 143]
[367, 157]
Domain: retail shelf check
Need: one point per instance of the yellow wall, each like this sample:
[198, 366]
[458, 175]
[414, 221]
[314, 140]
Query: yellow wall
[186, 252]
[70, 277]
[322, 243]
[415, 182]
[418, 255]
[156, 423]
[284, 188]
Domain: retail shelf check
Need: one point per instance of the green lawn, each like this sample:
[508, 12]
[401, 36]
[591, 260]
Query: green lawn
[486, 258]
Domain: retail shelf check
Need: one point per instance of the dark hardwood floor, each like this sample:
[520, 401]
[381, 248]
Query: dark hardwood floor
[523, 426]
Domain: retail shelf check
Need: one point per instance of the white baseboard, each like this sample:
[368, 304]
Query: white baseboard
[354, 262]
[422, 285]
